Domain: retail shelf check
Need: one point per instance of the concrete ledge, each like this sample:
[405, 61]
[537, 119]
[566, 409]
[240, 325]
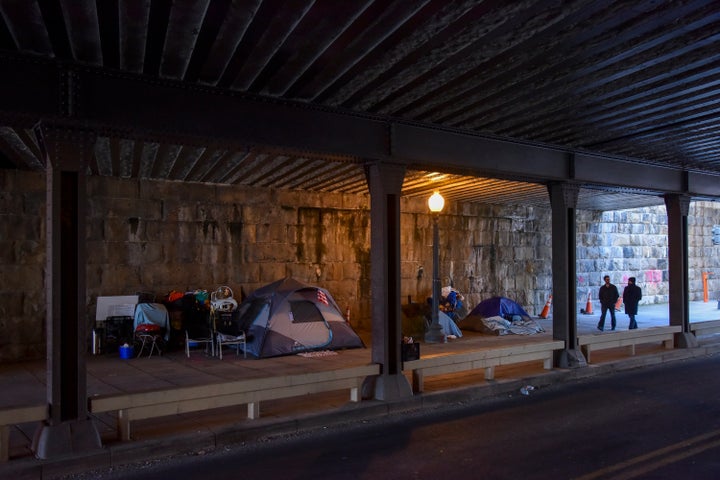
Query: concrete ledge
[627, 338]
[705, 328]
[14, 416]
[159, 403]
[486, 358]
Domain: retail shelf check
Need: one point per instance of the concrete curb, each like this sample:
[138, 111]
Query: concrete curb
[206, 439]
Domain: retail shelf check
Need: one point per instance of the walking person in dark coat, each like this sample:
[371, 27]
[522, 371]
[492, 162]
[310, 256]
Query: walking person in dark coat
[631, 297]
[608, 296]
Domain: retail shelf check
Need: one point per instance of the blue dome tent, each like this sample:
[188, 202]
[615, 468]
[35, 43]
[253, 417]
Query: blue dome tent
[499, 307]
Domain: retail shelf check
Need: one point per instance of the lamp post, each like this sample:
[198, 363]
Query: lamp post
[435, 334]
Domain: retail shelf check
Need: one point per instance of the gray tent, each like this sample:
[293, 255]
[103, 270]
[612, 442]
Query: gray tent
[288, 317]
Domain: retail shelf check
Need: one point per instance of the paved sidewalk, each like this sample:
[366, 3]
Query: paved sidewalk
[203, 431]
[648, 316]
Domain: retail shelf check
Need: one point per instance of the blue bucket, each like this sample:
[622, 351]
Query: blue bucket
[126, 352]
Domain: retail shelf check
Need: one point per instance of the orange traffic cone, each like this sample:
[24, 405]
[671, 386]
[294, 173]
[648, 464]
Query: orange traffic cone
[588, 306]
[546, 308]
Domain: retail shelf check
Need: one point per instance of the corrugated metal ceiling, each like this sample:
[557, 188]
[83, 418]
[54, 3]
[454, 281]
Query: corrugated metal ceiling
[637, 80]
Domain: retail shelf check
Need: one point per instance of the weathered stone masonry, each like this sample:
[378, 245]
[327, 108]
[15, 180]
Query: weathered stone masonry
[633, 243]
[153, 236]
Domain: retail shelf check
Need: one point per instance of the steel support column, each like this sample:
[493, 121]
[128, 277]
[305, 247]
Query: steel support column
[385, 181]
[68, 429]
[563, 200]
[677, 207]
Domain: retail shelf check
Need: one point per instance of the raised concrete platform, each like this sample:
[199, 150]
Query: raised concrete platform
[192, 432]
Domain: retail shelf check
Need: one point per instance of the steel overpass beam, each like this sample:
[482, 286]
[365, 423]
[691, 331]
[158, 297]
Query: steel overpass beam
[150, 108]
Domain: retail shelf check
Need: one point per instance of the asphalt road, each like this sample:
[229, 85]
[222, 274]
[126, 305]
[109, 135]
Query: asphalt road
[654, 423]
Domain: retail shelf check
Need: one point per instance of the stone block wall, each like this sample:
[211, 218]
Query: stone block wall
[22, 265]
[623, 244]
[704, 250]
[633, 243]
[160, 236]
[149, 236]
[484, 251]
[153, 236]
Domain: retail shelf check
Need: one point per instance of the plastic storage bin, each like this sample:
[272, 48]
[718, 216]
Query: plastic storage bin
[126, 351]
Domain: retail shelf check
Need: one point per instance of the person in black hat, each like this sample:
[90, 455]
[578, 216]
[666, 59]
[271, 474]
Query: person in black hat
[631, 297]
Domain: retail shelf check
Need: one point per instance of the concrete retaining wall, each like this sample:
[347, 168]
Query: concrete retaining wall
[633, 243]
[153, 236]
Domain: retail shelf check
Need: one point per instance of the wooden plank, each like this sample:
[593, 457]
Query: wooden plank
[639, 334]
[180, 406]
[450, 368]
[158, 403]
[486, 359]
[153, 404]
[107, 403]
[526, 357]
[483, 354]
[705, 328]
[624, 342]
[629, 338]
[14, 416]
[25, 414]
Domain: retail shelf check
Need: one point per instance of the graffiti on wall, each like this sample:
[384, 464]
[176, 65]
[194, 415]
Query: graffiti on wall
[653, 277]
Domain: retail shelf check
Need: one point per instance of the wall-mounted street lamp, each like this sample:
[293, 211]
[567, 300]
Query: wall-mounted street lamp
[435, 333]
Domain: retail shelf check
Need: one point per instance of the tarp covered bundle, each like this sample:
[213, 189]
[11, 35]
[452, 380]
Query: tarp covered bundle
[500, 316]
[288, 317]
[501, 326]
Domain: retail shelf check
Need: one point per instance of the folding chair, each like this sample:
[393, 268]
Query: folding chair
[150, 337]
[152, 327]
[198, 332]
[225, 339]
[228, 332]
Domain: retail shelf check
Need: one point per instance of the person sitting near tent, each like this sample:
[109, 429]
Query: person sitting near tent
[451, 303]
[448, 304]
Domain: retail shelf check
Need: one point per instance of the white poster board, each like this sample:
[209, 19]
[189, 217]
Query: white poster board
[117, 306]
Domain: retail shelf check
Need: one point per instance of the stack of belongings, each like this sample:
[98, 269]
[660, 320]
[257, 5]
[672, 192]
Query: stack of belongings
[500, 316]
